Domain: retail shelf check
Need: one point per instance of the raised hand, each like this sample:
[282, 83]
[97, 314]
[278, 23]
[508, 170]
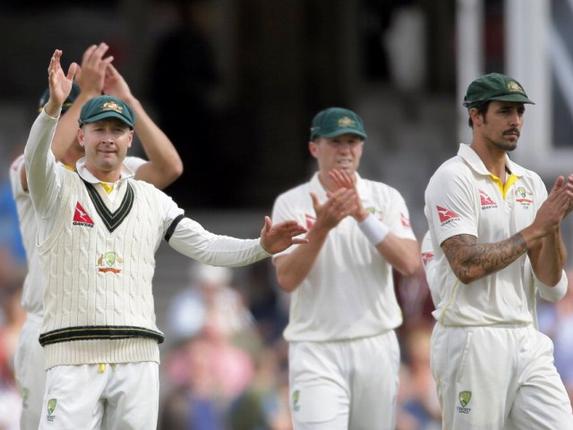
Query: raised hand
[339, 205]
[278, 237]
[60, 84]
[92, 72]
[556, 206]
[344, 180]
[115, 84]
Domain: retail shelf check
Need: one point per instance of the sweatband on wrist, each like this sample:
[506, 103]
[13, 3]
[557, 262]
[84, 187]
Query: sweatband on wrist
[374, 229]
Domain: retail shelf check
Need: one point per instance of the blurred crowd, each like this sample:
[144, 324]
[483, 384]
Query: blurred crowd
[224, 363]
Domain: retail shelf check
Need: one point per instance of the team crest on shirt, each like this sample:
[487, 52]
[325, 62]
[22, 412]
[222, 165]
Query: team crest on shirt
[52, 403]
[109, 262]
[464, 397]
[81, 217]
[486, 201]
[523, 197]
[446, 215]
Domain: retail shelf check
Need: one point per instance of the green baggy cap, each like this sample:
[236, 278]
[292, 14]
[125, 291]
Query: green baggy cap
[74, 93]
[494, 86]
[103, 107]
[336, 121]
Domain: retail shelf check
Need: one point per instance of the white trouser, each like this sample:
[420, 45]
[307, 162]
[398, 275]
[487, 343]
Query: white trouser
[121, 396]
[30, 373]
[342, 385]
[494, 378]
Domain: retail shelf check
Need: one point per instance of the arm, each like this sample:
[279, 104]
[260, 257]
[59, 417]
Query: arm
[549, 257]
[403, 254]
[471, 260]
[40, 161]
[191, 239]
[294, 267]
[164, 165]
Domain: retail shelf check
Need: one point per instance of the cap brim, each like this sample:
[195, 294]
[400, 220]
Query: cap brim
[341, 131]
[107, 115]
[515, 98]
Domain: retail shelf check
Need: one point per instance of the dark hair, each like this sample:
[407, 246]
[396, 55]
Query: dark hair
[482, 110]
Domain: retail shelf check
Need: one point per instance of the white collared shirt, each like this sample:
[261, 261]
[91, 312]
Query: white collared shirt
[463, 197]
[349, 292]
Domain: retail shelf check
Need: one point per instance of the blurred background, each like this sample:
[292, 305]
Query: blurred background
[235, 83]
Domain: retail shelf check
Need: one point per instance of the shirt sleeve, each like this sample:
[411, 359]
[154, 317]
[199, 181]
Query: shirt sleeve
[43, 181]
[15, 178]
[398, 218]
[451, 204]
[283, 211]
[189, 238]
[134, 163]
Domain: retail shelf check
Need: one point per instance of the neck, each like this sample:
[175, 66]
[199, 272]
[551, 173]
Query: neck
[111, 176]
[493, 158]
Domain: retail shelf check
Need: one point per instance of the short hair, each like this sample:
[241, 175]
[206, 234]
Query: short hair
[482, 110]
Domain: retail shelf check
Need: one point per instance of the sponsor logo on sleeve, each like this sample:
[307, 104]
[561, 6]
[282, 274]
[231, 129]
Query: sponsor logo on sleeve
[446, 215]
[404, 220]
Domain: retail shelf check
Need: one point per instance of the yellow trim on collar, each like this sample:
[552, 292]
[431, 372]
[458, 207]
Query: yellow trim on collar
[107, 186]
[504, 188]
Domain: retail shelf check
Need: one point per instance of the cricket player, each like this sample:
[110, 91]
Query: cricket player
[497, 244]
[98, 231]
[343, 352]
[164, 166]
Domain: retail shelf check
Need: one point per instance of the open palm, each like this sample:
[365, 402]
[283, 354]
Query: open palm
[60, 83]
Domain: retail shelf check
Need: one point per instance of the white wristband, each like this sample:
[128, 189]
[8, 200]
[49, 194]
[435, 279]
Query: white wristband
[374, 229]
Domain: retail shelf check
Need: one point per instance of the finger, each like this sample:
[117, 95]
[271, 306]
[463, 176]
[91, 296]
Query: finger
[300, 240]
[88, 53]
[72, 71]
[559, 181]
[315, 201]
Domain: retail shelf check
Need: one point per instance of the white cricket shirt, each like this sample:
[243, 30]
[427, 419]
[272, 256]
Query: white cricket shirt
[463, 197]
[349, 292]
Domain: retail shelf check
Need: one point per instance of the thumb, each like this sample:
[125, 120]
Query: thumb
[315, 202]
[559, 181]
[72, 71]
[268, 224]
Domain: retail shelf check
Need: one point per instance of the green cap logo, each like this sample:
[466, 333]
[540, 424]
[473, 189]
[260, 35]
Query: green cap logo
[52, 403]
[465, 397]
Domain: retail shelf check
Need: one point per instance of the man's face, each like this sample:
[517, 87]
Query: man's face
[341, 152]
[106, 143]
[501, 124]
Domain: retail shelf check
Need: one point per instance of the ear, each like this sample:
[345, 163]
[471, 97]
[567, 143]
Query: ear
[313, 148]
[131, 133]
[476, 116]
[81, 136]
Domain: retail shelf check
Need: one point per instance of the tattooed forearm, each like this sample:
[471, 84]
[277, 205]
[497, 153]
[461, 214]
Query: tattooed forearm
[471, 260]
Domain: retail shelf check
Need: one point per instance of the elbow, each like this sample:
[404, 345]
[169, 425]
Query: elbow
[175, 170]
[410, 267]
[286, 284]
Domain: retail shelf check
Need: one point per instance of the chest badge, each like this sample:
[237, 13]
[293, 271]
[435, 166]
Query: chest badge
[523, 197]
[81, 217]
[109, 262]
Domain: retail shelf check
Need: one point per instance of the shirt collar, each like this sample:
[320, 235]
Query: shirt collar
[474, 161]
[88, 176]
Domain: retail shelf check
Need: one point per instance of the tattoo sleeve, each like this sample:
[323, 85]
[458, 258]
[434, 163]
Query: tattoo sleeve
[471, 261]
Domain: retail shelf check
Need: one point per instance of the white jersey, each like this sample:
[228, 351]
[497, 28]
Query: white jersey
[100, 261]
[32, 290]
[349, 292]
[463, 197]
